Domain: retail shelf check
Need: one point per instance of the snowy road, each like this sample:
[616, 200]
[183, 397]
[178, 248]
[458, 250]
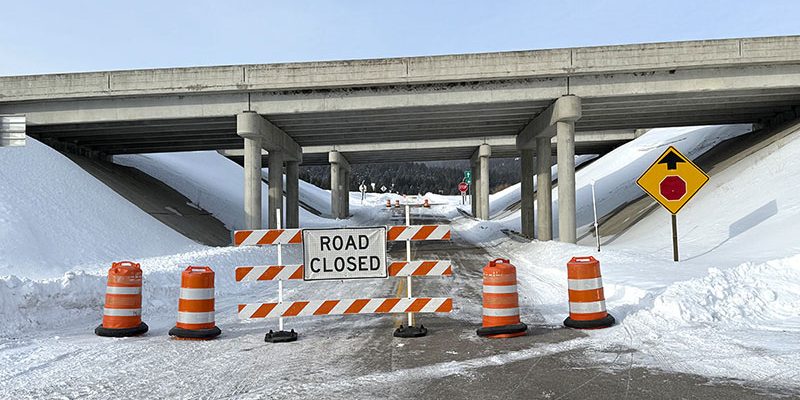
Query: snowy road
[347, 357]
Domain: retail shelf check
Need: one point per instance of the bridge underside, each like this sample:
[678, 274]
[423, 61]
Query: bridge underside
[409, 124]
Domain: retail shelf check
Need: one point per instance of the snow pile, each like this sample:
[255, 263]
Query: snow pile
[54, 215]
[741, 322]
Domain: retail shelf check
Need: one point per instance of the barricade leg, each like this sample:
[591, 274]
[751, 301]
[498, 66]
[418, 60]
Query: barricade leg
[281, 336]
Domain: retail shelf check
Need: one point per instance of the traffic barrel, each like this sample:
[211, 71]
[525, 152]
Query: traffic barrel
[587, 302]
[388, 204]
[122, 311]
[397, 203]
[196, 305]
[426, 203]
[501, 301]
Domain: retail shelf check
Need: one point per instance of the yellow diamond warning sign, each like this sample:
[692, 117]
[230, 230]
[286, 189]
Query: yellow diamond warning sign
[672, 180]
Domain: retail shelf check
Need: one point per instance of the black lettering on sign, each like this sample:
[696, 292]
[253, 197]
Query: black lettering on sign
[338, 264]
[351, 243]
[314, 269]
[363, 242]
[351, 261]
[374, 263]
[325, 241]
[338, 243]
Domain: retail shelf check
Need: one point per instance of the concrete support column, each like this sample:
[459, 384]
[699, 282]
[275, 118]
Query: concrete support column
[275, 188]
[544, 189]
[346, 193]
[485, 152]
[252, 183]
[480, 180]
[340, 169]
[258, 134]
[473, 189]
[565, 148]
[557, 120]
[527, 194]
[292, 194]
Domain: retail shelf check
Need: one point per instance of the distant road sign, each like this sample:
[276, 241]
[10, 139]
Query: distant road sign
[672, 180]
[348, 253]
[463, 187]
[12, 130]
[383, 188]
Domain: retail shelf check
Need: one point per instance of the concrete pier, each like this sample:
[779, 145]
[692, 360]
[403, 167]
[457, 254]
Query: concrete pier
[292, 194]
[544, 189]
[557, 120]
[527, 193]
[275, 188]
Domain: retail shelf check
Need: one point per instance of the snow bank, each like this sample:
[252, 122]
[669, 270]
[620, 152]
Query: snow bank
[54, 216]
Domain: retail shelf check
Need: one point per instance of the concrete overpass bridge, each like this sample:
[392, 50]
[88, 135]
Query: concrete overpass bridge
[414, 108]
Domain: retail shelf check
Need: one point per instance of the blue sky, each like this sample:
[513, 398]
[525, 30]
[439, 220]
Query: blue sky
[70, 36]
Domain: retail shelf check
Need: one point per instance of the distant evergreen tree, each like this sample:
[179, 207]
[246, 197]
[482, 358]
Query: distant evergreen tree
[440, 177]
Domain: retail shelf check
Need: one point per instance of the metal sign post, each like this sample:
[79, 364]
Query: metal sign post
[408, 259]
[596, 227]
[280, 262]
[672, 180]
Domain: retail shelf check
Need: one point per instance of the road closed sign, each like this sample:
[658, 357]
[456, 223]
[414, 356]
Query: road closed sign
[348, 253]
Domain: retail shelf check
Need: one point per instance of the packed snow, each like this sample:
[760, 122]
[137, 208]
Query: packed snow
[728, 310]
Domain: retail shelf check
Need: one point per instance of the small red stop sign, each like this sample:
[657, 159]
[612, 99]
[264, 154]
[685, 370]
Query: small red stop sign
[673, 188]
[462, 187]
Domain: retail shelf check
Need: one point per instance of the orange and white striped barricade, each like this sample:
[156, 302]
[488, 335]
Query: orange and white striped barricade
[587, 302]
[501, 301]
[280, 272]
[409, 233]
[122, 312]
[196, 305]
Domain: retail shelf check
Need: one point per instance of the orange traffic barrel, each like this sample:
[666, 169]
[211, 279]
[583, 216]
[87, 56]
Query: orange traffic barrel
[388, 204]
[426, 203]
[122, 312]
[196, 305]
[397, 203]
[501, 301]
[587, 302]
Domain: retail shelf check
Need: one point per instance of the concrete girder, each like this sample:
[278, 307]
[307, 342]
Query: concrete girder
[250, 124]
[564, 109]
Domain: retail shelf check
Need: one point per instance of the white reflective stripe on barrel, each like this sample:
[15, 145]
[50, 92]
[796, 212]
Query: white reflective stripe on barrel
[500, 312]
[122, 312]
[195, 317]
[123, 290]
[197, 294]
[587, 308]
[585, 284]
[500, 289]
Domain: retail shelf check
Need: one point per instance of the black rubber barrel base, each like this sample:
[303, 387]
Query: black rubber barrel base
[594, 324]
[500, 330]
[280, 336]
[410, 331]
[121, 332]
[195, 334]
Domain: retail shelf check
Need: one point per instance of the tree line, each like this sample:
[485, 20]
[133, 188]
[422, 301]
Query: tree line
[440, 177]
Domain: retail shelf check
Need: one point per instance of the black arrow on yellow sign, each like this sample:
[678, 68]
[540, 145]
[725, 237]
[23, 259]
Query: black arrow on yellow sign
[672, 160]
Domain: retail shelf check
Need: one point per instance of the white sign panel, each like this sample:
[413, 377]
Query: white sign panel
[348, 253]
[12, 130]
